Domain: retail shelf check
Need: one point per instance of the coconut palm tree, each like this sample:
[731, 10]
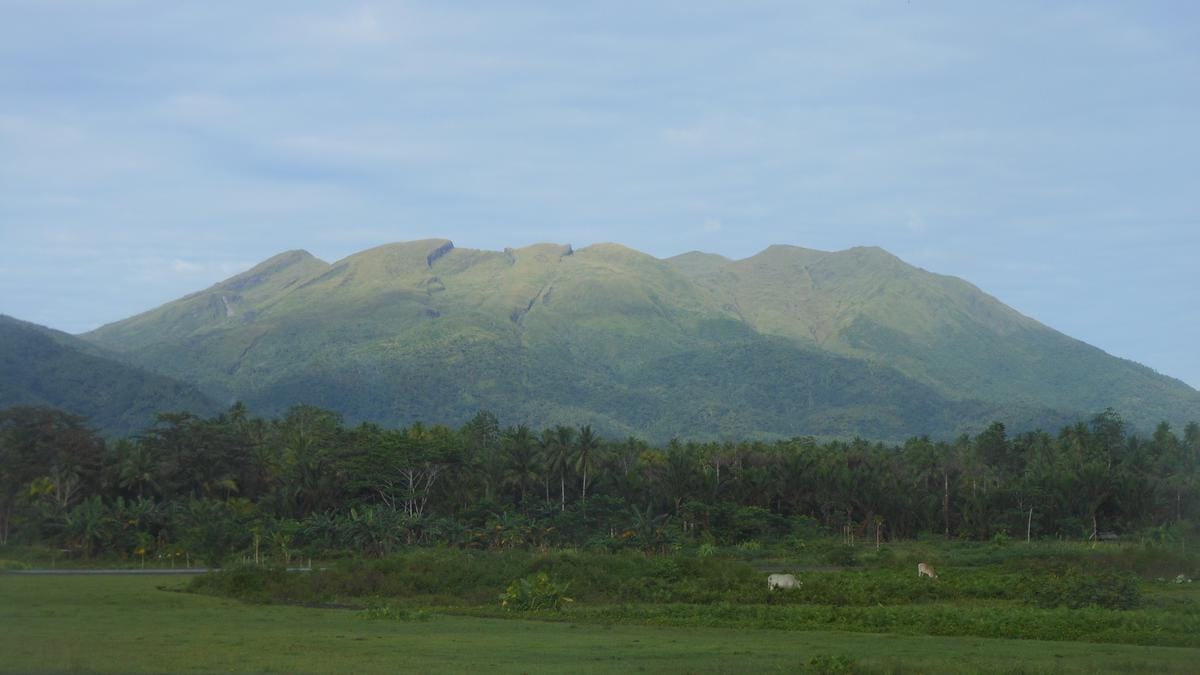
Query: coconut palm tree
[521, 460]
[586, 446]
[557, 444]
[137, 468]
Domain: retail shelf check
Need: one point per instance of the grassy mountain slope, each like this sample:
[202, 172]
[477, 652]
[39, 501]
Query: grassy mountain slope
[788, 342]
[939, 330]
[40, 366]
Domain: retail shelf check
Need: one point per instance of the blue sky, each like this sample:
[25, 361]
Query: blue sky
[1047, 152]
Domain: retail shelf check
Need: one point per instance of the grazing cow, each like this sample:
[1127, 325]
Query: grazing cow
[782, 581]
[926, 570]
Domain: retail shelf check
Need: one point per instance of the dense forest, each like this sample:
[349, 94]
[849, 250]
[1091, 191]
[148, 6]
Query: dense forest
[231, 485]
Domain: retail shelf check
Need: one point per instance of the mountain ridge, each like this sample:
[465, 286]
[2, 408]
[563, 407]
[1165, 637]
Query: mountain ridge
[40, 366]
[542, 329]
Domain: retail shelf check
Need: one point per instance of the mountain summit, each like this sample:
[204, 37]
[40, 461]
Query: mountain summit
[787, 342]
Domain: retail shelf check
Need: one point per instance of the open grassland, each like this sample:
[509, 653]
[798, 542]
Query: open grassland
[127, 624]
[1039, 592]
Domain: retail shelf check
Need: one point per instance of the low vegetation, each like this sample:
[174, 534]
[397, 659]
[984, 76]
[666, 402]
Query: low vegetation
[127, 624]
[1049, 594]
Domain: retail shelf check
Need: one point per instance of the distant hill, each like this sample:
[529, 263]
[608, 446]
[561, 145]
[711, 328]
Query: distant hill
[41, 366]
[788, 342]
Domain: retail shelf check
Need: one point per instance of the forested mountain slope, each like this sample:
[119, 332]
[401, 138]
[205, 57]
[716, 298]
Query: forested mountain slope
[940, 330]
[787, 342]
[40, 366]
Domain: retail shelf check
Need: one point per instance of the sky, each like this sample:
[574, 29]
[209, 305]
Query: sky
[1049, 153]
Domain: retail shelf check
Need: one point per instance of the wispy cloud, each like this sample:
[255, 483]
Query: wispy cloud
[718, 134]
[200, 108]
[359, 26]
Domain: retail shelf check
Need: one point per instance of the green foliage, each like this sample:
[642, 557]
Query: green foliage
[827, 664]
[1076, 589]
[533, 593]
[248, 583]
[1042, 598]
[214, 532]
[840, 554]
[305, 484]
[450, 576]
[89, 525]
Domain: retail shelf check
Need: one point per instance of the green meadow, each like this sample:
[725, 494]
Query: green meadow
[149, 624]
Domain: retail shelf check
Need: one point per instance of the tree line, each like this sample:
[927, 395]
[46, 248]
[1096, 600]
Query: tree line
[307, 483]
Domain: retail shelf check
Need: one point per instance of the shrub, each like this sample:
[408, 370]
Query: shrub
[843, 555]
[536, 592]
[751, 549]
[826, 664]
[247, 583]
[1075, 589]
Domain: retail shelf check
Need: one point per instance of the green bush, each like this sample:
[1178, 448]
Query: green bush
[537, 592]
[826, 664]
[457, 577]
[453, 576]
[1075, 589]
[247, 583]
[843, 555]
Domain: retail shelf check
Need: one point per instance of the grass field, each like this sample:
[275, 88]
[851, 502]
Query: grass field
[127, 624]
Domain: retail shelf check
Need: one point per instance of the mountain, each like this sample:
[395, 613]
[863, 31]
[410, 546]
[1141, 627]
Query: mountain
[788, 342]
[939, 330]
[44, 367]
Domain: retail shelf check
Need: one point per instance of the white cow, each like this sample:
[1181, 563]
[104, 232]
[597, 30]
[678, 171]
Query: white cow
[782, 581]
[926, 570]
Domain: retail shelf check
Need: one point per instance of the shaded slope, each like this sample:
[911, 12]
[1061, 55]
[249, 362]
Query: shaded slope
[40, 366]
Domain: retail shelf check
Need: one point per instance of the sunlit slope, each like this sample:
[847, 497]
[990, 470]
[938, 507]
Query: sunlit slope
[44, 367]
[785, 343]
[940, 330]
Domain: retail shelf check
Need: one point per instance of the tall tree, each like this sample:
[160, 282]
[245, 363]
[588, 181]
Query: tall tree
[521, 460]
[482, 436]
[558, 456]
[587, 443]
[49, 446]
[137, 468]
